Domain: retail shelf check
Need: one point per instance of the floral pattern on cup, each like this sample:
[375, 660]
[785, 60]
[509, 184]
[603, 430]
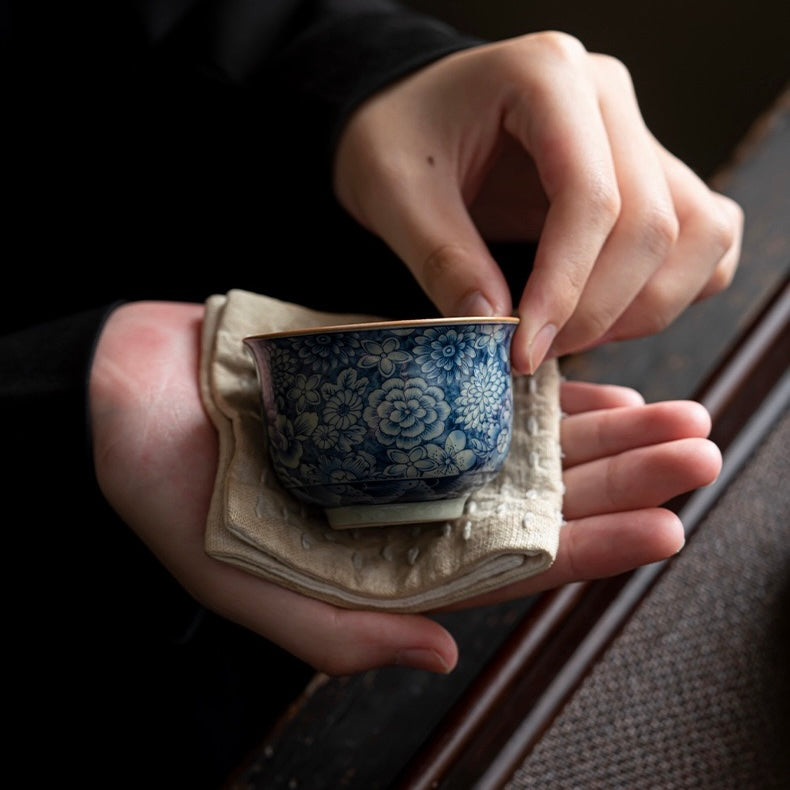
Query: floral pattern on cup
[386, 414]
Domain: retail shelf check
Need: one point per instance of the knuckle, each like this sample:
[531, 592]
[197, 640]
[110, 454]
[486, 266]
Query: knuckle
[569, 309]
[603, 199]
[656, 310]
[614, 68]
[734, 210]
[720, 280]
[438, 266]
[572, 280]
[721, 233]
[659, 231]
[560, 45]
[548, 49]
[657, 321]
[718, 222]
[592, 326]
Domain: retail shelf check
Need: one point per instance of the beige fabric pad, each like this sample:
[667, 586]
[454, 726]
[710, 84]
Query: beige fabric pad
[509, 531]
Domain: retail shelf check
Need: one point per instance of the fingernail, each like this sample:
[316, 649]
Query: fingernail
[420, 658]
[540, 346]
[475, 304]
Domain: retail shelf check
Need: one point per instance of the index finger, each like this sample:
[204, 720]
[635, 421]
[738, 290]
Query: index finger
[558, 120]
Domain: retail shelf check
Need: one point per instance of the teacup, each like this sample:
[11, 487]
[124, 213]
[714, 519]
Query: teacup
[389, 422]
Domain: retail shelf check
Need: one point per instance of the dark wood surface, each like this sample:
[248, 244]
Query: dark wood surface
[404, 729]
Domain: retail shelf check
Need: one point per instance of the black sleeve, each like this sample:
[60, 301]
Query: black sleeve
[43, 405]
[292, 69]
[348, 51]
[308, 64]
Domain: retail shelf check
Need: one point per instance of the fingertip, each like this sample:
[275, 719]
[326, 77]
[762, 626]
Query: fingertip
[446, 648]
[540, 346]
[700, 418]
[627, 396]
[519, 356]
[667, 535]
[425, 645]
[428, 659]
[672, 533]
[437, 652]
[527, 353]
[476, 304]
[710, 463]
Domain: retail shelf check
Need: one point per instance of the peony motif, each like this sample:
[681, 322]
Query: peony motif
[406, 412]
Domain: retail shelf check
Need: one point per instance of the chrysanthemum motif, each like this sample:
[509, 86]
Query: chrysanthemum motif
[341, 425]
[445, 355]
[343, 399]
[503, 440]
[282, 365]
[406, 413]
[328, 351]
[480, 398]
[325, 437]
[385, 355]
[286, 438]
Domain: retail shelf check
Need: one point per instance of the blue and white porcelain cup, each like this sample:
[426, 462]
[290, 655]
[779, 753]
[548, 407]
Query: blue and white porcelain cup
[391, 422]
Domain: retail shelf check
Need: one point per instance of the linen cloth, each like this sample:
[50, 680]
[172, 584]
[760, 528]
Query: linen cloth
[509, 530]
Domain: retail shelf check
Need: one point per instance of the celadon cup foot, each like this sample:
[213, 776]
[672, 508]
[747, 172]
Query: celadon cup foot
[385, 515]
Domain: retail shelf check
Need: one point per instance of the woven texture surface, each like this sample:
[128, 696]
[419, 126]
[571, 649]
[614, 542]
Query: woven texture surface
[695, 692]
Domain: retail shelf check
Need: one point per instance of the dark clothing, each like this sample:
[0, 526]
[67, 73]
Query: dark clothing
[171, 142]
[160, 150]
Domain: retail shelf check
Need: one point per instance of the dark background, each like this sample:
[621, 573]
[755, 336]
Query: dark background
[703, 69]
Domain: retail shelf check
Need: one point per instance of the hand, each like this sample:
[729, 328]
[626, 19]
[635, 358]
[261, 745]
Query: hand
[535, 138]
[156, 459]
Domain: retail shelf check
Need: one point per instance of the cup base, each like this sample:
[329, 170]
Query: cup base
[395, 513]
